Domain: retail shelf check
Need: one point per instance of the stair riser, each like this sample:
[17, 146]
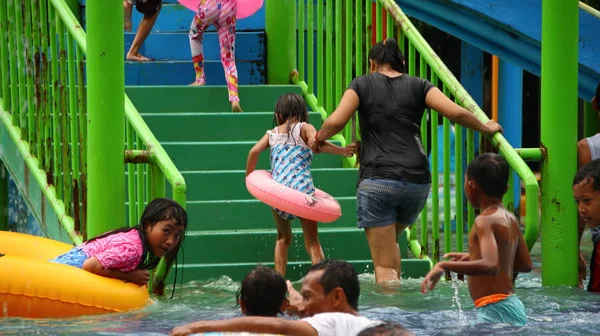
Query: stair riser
[206, 99]
[232, 185]
[215, 127]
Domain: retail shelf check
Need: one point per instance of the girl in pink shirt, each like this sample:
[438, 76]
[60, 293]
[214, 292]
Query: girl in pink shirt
[128, 253]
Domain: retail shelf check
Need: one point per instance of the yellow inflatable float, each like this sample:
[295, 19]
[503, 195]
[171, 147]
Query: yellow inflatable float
[31, 286]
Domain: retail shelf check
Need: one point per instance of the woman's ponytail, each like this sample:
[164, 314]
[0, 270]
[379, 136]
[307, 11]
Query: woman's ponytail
[388, 52]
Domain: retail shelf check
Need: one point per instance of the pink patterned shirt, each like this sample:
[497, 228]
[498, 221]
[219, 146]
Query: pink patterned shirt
[121, 251]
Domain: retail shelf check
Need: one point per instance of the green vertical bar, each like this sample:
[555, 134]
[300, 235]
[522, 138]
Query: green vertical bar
[106, 122]
[133, 215]
[74, 131]
[22, 71]
[320, 56]
[390, 24]
[378, 22]
[412, 60]
[329, 52]
[369, 29]
[82, 113]
[358, 24]
[401, 40]
[435, 191]
[56, 171]
[347, 73]
[64, 121]
[148, 184]
[3, 192]
[12, 62]
[311, 46]
[470, 157]
[280, 26]
[46, 82]
[37, 80]
[458, 131]
[339, 38]
[158, 182]
[301, 41]
[139, 180]
[27, 46]
[560, 25]
[424, 213]
[447, 200]
[4, 57]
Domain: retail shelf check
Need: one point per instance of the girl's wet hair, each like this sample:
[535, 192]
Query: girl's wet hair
[388, 52]
[159, 209]
[290, 109]
[263, 292]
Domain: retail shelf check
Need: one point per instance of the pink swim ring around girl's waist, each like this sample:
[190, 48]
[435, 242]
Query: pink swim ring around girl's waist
[321, 207]
[245, 8]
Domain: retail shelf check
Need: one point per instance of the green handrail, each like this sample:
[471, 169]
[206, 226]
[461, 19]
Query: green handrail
[44, 108]
[349, 28]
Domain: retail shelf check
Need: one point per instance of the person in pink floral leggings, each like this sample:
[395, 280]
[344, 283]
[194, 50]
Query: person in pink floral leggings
[222, 15]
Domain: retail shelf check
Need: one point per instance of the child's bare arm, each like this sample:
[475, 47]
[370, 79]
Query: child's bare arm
[522, 263]
[309, 132]
[139, 277]
[254, 153]
[271, 325]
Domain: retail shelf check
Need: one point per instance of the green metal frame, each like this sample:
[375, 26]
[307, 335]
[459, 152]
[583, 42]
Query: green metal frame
[44, 110]
[344, 30]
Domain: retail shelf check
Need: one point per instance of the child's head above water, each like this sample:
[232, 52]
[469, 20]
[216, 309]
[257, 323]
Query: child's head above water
[290, 108]
[263, 293]
[162, 230]
[386, 329]
[586, 190]
[487, 175]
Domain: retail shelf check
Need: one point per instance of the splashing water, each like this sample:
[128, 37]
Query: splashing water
[456, 300]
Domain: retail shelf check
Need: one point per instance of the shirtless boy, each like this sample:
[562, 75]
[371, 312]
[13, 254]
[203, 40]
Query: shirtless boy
[496, 246]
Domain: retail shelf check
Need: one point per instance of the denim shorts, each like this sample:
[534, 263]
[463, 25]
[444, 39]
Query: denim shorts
[383, 202]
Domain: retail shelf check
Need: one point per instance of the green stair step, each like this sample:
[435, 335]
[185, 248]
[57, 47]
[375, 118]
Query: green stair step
[229, 156]
[151, 99]
[231, 184]
[252, 214]
[189, 126]
[411, 268]
[202, 247]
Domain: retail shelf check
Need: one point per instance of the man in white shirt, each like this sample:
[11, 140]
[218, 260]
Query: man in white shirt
[328, 300]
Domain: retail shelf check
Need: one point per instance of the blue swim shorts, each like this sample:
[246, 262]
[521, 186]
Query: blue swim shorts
[509, 310]
[75, 257]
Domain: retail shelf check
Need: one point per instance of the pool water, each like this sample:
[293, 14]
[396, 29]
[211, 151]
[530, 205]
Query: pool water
[448, 310]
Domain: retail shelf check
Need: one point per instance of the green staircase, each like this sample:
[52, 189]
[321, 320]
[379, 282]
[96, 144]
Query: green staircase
[230, 231]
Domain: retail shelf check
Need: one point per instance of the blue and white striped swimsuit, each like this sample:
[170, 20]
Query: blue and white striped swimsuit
[290, 162]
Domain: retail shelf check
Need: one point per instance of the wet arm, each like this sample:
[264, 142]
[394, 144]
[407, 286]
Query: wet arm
[270, 325]
[309, 132]
[522, 262]
[340, 117]
[254, 153]
[93, 265]
[489, 262]
[437, 101]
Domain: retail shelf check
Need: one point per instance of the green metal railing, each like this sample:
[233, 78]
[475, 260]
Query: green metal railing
[43, 100]
[334, 38]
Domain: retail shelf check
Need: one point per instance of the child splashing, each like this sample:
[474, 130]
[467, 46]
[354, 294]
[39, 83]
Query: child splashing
[222, 15]
[128, 253]
[497, 249]
[291, 159]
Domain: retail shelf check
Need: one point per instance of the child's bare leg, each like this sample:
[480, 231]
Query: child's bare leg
[128, 7]
[311, 240]
[141, 36]
[284, 239]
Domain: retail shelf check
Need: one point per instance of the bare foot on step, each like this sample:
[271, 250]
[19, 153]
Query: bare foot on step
[197, 84]
[137, 57]
[235, 107]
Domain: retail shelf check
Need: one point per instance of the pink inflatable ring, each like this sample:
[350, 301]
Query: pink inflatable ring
[245, 8]
[321, 208]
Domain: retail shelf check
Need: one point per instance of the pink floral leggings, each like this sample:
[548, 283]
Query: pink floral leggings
[222, 15]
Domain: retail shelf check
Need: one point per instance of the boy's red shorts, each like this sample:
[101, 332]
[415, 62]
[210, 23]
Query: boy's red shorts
[594, 284]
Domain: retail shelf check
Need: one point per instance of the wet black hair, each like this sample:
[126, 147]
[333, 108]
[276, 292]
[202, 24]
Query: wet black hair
[290, 108]
[589, 173]
[388, 52]
[159, 209]
[338, 273]
[263, 291]
[386, 329]
[490, 172]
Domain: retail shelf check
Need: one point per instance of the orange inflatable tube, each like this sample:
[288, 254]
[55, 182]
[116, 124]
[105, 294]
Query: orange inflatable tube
[31, 286]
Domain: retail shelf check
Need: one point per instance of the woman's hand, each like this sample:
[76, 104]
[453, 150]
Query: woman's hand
[295, 299]
[582, 270]
[432, 278]
[491, 127]
[314, 145]
[349, 150]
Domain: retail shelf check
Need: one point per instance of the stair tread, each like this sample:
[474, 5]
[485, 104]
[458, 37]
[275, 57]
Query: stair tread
[322, 229]
[250, 200]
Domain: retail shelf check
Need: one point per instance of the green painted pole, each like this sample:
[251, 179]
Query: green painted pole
[280, 25]
[560, 25]
[106, 117]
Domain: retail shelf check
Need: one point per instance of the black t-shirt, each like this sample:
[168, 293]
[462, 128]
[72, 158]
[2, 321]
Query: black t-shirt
[390, 113]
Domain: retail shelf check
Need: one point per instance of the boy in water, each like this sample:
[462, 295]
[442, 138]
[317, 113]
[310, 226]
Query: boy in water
[586, 190]
[496, 246]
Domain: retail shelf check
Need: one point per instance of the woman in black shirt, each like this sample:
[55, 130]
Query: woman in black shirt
[394, 178]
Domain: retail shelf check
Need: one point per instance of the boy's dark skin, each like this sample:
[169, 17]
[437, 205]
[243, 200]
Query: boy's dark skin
[312, 300]
[496, 249]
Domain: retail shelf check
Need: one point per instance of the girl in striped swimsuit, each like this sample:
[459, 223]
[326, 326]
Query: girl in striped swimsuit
[222, 15]
[291, 159]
